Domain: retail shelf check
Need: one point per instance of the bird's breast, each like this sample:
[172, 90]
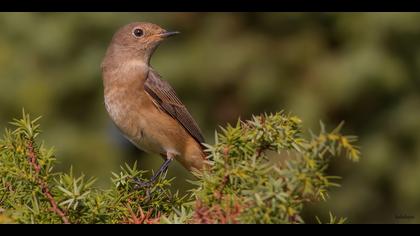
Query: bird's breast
[130, 113]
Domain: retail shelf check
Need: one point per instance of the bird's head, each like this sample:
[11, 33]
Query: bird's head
[139, 40]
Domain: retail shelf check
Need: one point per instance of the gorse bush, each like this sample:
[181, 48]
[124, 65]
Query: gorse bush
[262, 171]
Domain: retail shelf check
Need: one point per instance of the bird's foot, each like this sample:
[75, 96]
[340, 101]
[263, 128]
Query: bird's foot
[148, 184]
[142, 184]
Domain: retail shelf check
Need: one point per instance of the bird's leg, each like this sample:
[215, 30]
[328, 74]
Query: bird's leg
[162, 169]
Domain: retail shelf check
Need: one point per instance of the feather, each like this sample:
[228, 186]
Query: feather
[165, 97]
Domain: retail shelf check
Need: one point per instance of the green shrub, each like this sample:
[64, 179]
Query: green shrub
[262, 171]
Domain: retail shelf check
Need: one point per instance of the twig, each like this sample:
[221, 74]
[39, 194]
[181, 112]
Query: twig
[32, 157]
[43, 185]
[219, 192]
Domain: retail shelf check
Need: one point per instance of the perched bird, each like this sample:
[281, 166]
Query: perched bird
[145, 107]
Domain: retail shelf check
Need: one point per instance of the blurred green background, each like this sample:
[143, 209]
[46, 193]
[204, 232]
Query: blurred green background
[363, 68]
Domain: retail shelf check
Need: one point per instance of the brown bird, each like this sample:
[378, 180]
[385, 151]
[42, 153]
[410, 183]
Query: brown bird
[145, 107]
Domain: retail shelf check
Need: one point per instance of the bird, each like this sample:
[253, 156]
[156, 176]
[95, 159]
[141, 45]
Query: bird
[143, 106]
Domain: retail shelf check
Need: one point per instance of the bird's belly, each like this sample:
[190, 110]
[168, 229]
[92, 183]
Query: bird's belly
[158, 134]
[147, 143]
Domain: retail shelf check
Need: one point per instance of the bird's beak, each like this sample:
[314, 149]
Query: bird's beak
[168, 34]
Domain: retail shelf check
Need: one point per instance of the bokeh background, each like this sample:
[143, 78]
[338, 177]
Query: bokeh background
[363, 68]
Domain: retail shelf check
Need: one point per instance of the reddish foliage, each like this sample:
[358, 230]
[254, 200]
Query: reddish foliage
[217, 214]
[140, 218]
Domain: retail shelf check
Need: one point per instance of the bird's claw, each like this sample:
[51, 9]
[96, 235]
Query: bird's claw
[142, 184]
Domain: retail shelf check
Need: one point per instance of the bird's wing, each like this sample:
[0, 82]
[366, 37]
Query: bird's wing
[165, 97]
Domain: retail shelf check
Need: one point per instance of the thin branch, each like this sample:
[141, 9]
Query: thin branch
[219, 192]
[42, 184]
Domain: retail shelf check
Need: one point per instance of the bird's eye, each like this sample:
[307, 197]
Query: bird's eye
[138, 32]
